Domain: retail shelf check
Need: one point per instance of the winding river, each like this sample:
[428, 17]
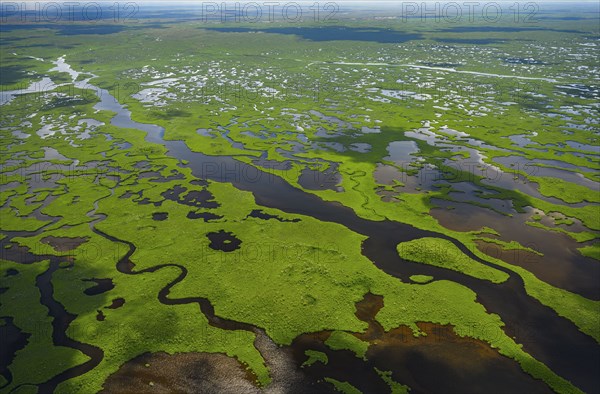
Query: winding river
[548, 337]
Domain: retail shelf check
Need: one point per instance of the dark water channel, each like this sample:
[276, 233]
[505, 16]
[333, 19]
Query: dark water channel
[549, 338]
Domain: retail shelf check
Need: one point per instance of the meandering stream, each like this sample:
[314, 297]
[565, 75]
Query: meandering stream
[548, 337]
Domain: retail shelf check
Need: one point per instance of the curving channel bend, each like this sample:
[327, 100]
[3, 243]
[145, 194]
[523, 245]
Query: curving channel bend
[557, 342]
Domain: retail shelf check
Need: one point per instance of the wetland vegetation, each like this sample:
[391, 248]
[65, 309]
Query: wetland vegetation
[373, 201]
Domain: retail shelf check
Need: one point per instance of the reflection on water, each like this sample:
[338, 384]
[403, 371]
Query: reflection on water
[558, 343]
[43, 86]
[411, 359]
[361, 147]
[561, 264]
[320, 180]
[402, 151]
[532, 168]
[380, 35]
[425, 179]
[585, 147]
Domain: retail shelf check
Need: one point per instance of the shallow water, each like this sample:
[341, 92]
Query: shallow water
[532, 168]
[320, 180]
[63, 244]
[585, 147]
[402, 151]
[360, 147]
[43, 86]
[558, 343]
[561, 264]
[13, 340]
[425, 179]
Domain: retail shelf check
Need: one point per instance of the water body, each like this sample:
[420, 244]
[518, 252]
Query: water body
[558, 343]
[102, 286]
[461, 168]
[452, 70]
[471, 41]
[333, 33]
[532, 168]
[40, 87]
[503, 29]
[402, 151]
[585, 147]
[74, 29]
[13, 340]
[521, 140]
[319, 180]
[561, 264]
[360, 147]
[425, 179]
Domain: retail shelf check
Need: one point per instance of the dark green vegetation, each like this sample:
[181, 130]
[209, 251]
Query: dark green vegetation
[116, 242]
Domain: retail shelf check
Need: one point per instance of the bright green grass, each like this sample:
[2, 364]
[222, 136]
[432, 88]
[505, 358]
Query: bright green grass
[316, 275]
[343, 387]
[456, 303]
[512, 245]
[314, 356]
[421, 278]
[443, 253]
[395, 387]
[592, 251]
[566, 191]
[339, 340]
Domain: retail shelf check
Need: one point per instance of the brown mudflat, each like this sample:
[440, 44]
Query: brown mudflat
[180, 373]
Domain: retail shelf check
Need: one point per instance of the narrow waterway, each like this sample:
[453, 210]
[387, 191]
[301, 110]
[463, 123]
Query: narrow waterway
[61, 318]
[549, 338]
